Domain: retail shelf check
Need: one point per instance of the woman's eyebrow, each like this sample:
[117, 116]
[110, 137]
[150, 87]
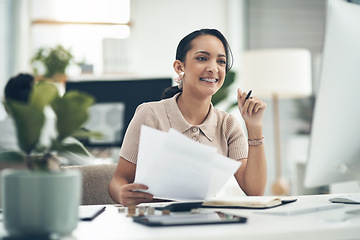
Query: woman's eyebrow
[202, 52]
[207, 53]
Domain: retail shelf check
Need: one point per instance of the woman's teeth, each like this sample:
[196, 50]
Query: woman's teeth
[212, 80]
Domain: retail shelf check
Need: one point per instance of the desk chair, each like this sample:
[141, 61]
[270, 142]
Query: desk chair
[96, 179]
[12, 166]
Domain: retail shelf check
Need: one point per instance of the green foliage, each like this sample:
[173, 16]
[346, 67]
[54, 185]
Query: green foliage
[43, 94]
[55, 60]
[83, 134]
[13, 156]
[225, 89]
[29, 117]
[71, 111]
[29, 120]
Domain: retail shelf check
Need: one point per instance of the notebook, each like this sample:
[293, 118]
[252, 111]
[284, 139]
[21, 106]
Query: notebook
[247, 202]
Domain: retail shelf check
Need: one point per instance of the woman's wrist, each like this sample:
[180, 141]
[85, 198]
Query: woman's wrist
[254, 132]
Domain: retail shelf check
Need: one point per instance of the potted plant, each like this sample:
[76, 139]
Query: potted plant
[50, 64]
[41, 199]
[54, 61]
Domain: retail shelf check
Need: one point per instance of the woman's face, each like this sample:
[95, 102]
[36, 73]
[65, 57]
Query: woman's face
[205, 66]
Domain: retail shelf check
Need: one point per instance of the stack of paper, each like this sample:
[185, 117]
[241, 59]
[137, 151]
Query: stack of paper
[174, 166]
[244, 202]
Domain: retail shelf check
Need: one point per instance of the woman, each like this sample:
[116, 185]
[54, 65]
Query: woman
[202, 60]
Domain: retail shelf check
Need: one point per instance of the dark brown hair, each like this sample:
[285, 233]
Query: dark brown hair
[19, 87]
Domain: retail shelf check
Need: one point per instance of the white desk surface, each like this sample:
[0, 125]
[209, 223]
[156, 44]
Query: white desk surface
[329, 224]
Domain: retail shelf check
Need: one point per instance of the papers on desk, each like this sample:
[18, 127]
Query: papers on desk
[244, 202]
[174, 166]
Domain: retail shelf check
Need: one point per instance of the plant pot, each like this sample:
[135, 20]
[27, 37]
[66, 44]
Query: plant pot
[40, 203]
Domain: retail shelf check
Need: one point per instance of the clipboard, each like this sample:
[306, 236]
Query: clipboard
[189, 219]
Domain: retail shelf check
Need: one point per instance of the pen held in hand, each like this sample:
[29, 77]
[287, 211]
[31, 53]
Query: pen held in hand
[248, 95]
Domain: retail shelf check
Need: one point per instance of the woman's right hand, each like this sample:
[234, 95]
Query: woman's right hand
[130, 196]
[252, 109]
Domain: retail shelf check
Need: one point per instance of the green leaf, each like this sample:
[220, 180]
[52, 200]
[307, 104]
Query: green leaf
[219, 96]
[229, 79]
[70, 145]
[43, 94]
[12, 156]
[83, 134]
[77, 148]
[29, 120]
[72, 112]
[222, 93]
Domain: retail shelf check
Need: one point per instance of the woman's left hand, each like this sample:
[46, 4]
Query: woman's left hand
[252, 110]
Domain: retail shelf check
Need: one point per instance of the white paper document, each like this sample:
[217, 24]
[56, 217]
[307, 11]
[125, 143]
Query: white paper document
[174, 166]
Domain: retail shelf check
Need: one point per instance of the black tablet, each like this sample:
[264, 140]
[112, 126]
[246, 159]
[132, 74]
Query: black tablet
[181, 206]
[189, 219]
[89, 213]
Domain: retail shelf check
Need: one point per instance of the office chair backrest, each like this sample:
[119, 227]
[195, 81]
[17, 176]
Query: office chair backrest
[96, 179]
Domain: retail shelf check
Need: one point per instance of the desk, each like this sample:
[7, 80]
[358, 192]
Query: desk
[318, 225]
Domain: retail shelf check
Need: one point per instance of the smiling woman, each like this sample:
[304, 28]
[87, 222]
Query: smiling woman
[202, 60]
[186, 44]
[204, 67]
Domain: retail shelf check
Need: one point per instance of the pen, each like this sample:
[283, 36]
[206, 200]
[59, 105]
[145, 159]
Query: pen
[248, 95]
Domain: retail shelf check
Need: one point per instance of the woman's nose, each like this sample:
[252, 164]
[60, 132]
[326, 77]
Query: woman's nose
[212, 67]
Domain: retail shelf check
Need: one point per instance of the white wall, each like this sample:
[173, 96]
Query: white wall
[157, 26]
[14, 41]
[4, 49]
[21, 39]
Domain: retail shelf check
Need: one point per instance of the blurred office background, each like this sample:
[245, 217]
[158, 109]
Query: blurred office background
[138, 38]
